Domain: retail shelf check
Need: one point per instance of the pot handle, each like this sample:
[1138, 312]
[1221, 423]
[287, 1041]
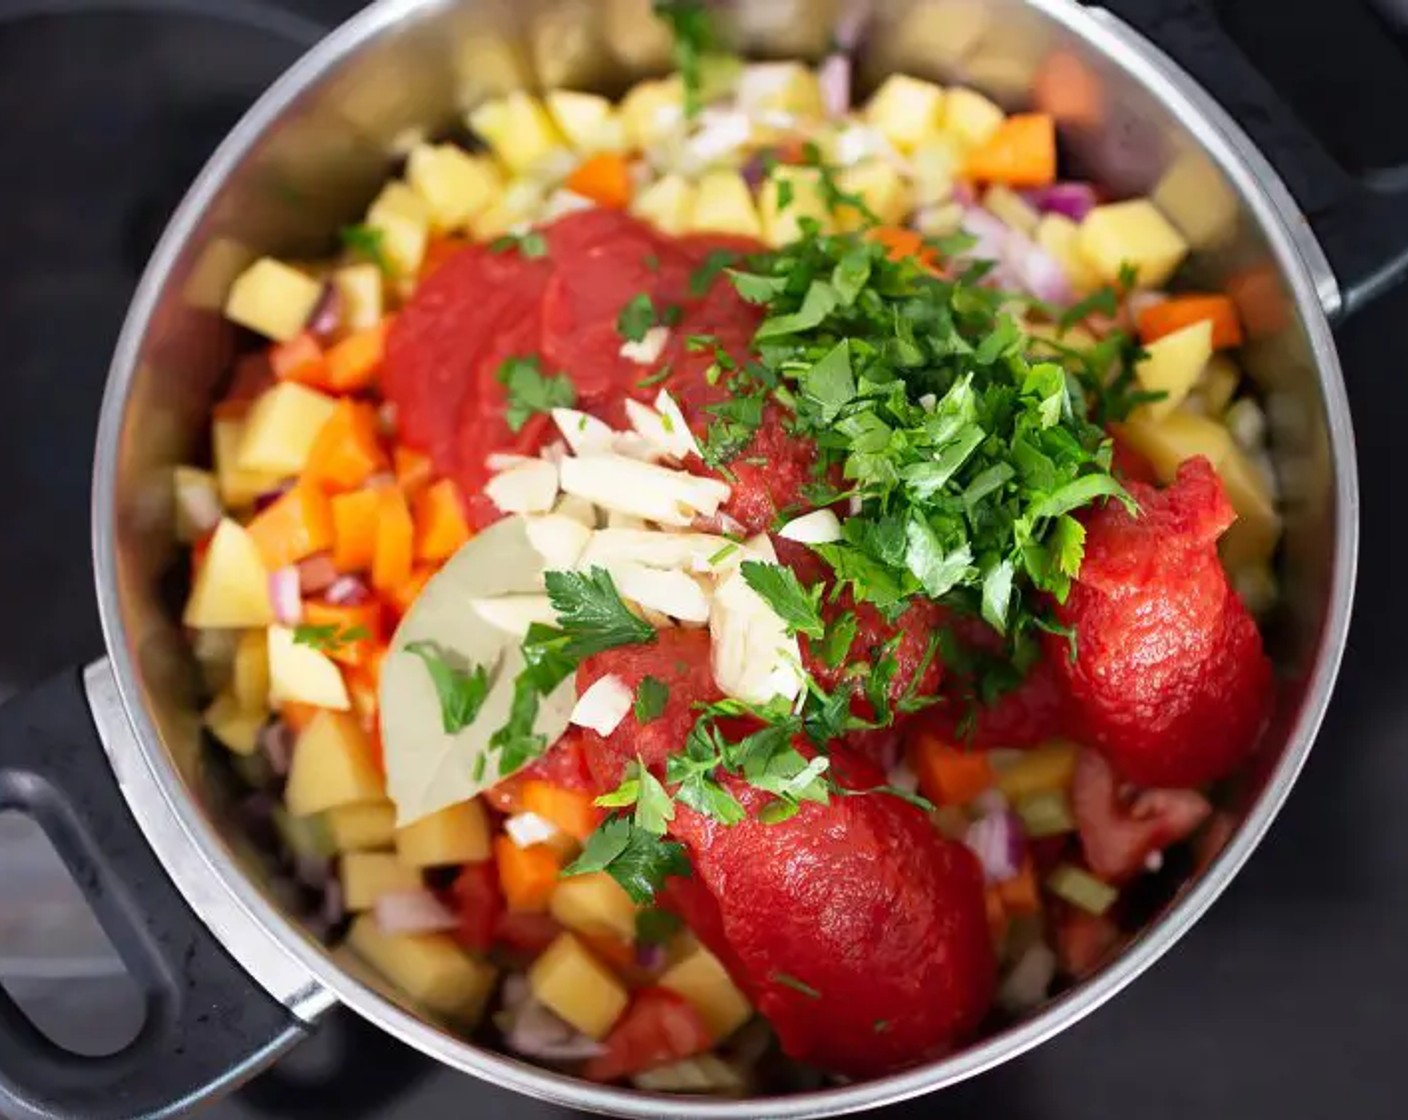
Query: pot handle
[208, 1024]
[1362, 226]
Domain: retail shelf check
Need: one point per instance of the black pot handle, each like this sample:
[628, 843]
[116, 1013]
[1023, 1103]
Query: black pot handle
[208, 1024]
[1362, 226]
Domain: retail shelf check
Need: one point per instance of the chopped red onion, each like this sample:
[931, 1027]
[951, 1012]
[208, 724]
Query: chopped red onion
[538, 1033]
[1141, 300]
[286, 595]
[1072, 200]
[650, 956]
[269, 497]
[755, 170]
[989, 234]
[516, 991]
[316, 573]
[401, 912]
[834, 78]
[965, 195]
[326, 316]
[1030, 979]
[851, 24]
[346, 591]
[1037, 271]
[386, 418]
[313, 871]
[996, 839]
[276, 741]
[902, 777]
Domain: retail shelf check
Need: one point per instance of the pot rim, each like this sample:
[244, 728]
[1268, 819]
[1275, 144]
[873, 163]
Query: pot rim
[1300, 262]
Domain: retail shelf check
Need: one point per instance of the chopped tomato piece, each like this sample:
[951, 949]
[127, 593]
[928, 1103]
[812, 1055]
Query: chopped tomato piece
[479, 905]
[528, 932]
[659, 1027]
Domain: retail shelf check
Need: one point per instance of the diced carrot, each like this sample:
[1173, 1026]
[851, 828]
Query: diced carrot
[1177, 312]
[528, 876]
[300, 359]
[439, 517]
[1021, 153]
[997, 914]
[298, 715]
[438, 251]
[570, 809]
[297, 524]
[395, 541]
[362, 617]
[408, 591]
[354, 530]
[950, 775]
[414, 470]
[353, 363]
[903, 243]
[1020, 894]
[347, 450]
[604, 178]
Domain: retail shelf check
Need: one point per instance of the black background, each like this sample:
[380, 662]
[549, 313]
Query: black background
[1288, 999]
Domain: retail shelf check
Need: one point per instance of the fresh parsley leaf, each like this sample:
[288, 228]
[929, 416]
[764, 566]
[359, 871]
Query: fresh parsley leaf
[328, 638]
[637, 859]
[753, 288]
[656, 927]
[818, 303]
[787, 980]
[368, 243]
[1102, 301]
[636, 318]
[461, 691]
[650, 380]
[654, 809]
[531, 392]
[779, 587]
[704, 794]
[1067, 544]
[703, 277]
[697, 48]
[516, 741]
[531, 244]
[1081, 492]
[592, 615]
[652, 694]
[840, 635]
[997, 594]
[938, 570]
[829, 383]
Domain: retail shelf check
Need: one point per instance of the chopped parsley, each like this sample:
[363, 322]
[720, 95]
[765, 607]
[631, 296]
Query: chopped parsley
[656, 927]
[329, 637]
[461, 691]
[650, 380]
[779, 587]
[636, 318]
[638, 859]
[368, 243]
[652, 694]
[787, 980]
[700, 58]
[531, 244]
[530, 391]
[592, 615]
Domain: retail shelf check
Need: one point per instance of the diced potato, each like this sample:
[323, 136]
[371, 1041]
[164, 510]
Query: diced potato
[1011, 208]
[281, 427]
[724, 204]
[1178, 436]
[198, 489]
[936, 164]
[882, 188]
[456, 834]
[652, 111]
[397, 197]
[970, 118]
[702, 980]
[703, 1074]
[232, 586]
[519, 205]
[594, 905]
[234, 725]
[588, 121]
[250, 675]
[332, 766]
[1218, 384]
[1252, 539]
[1257, 587]
[238, 487]
[366, 876]
[455, 184]
[402, 217]
[362, 827]
[430, 968]
[780, 87]
[576, 987]
[303, 674]
[906, 110]
[782, 224]
[1132, 233]
[272, 298]
[667, 204]
[304, 837]
[1046, 769]
[519, 130]
[1173, 364]
[359, 290]
[1060, 236]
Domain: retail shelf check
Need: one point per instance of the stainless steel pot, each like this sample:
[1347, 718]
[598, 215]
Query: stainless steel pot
[232, 980]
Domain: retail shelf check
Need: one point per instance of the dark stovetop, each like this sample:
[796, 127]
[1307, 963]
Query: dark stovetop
[1287, 999]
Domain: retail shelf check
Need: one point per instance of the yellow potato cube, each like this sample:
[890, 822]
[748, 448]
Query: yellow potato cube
[1178, 436]
[780, 87]
[1012, 209]
[577, 987]
[970, 118]
[1218, 384]
[652, 111]
[595, 905]
[280, 429]
[402, 218]
[907, 111]
[362, 827]
[589, 122]
[881, 188]
[1253, 537]
[454, 184]
[272, 298]
[360, 292]
[519, 130]
[518, 206]
[455, 834]
[430, 968]
[238, 487]
[193, 488]
[231, 588]
[782, 224]
[250, 674]
[366, 876]
[1060, 236]
[724, 204]
[332, 766]
[236, 727]
[1046, 769]
[1173, 364]
[702, 980]
[666, 204]
[303, 674]
[1132, 233]
[936, 164]
[397, 197]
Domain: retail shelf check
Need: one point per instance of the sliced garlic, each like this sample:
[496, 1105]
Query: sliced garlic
[558, 539]
[655, 493]
[513, 614]
[529, 487]
[752, 656]
[603, 706]
[647, 349]
[527, 829]
[670, 592]
[693, 552]
[821, 526]
[582, 431]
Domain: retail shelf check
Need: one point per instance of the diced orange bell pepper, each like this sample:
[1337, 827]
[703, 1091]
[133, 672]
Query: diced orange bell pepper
[362, 617]
[1021, 153]
[950, 775]
[527, 876]
[604, 178]
[355, 361]
[300, 359]
[997, 914]
[395, 541]
[414, 469]
[297, 714]
[571, 810]
[407, 592]
[363, 682]
[903, 243]
[440, 524]
[1020, 894]
[354, 530]
[297, 524]
[1177, 312]
[438, 251]
[347, 450]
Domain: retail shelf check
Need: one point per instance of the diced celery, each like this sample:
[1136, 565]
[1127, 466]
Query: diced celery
[1046, 768]
[1080, 888]
[1046, 814]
